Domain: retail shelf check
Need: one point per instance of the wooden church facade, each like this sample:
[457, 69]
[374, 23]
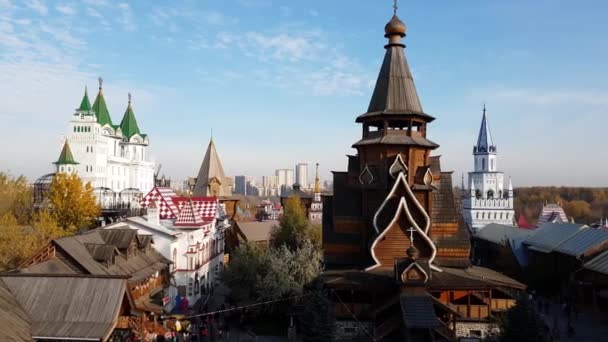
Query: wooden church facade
[396, 249]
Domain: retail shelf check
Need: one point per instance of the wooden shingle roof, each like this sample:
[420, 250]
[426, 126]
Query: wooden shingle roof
[15, 323]
[68, 307]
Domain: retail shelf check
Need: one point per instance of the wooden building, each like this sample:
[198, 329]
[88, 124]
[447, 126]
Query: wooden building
[396, 249]
[118, 252]
[47, 307]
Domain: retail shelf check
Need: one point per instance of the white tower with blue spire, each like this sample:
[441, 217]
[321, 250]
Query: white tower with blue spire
[487, 200]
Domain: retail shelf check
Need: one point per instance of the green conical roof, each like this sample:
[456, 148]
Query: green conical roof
[85, 105]
[66, 156]
[100, 108]
[128, 125]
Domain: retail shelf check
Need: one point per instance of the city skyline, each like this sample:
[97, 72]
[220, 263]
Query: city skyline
[317, 65]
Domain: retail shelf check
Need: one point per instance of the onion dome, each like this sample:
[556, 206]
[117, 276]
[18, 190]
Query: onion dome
[412, 252]
[395, 26]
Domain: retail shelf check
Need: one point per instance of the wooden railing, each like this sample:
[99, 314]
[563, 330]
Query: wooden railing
[152, 286]
[386, 327]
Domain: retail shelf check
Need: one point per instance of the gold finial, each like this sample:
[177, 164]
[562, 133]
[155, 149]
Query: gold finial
[395, 7]
[317, 181]
[100, 80]
[129, 98]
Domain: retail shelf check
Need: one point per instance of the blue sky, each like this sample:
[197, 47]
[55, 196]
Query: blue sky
[281, 81]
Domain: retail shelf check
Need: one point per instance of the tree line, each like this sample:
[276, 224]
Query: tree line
[585, 205]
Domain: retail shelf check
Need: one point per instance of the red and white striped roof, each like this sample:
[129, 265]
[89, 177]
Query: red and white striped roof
[162, 197]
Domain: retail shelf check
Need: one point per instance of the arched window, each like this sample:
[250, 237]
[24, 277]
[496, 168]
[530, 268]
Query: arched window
[483, 215]
[501, 216]
[483, 163]
[492, 164]
[74, 128]
[490, 194]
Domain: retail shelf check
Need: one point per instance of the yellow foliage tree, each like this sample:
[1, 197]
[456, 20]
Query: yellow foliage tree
[15, 197]
[72, 203]
[19, 242]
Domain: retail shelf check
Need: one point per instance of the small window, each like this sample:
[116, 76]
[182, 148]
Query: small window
[74, 128]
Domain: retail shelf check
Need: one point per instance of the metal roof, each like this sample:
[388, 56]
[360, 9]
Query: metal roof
[598, 264]
[500, 233]
[256, 230]
[418, 311]
[582, 241]
[550, 235]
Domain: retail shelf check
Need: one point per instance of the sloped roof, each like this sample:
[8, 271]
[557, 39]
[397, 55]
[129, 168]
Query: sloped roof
[73, 307]
[393, 139]
[582, 241]
[598, 264]
[128, 125]
[15, 322]
[395, 92]
[162, 197]
[211, 168]
[205, 207]
[256, 230]
[484, 139]
[66, 157]
[80, 253]
[101, 109]
[500, 234]
[85, 105]
[550, 235]
[188, 216]
[472, 277]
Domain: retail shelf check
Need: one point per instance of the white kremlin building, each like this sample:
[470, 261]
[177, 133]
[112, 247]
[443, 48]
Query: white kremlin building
[111, 157]
[486, 200]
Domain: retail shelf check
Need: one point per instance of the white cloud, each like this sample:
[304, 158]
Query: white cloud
[126, 17]
[92, 12]
[65, 9]
[37, 6]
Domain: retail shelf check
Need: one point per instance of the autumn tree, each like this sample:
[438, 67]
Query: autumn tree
[293, 228]
[15, 197]
[19, 242]
[72, 203]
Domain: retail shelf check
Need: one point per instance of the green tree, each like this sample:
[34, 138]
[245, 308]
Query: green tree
[293, 228]
[257, 273]
[522, 324]
[317, 320]
[72, 203]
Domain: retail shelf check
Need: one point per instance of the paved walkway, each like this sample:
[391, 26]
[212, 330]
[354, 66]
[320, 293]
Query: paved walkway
[588, 326]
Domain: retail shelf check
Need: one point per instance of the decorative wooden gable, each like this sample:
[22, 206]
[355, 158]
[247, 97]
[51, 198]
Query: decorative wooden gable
[409, 222]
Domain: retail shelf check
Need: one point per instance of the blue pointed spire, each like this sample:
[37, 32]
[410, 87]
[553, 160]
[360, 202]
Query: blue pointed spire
[484, 140]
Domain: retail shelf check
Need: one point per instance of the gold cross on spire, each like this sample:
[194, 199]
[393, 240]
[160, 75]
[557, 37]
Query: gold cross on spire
[395, 7]
[129, 98]
[411, 230]
[100, 80]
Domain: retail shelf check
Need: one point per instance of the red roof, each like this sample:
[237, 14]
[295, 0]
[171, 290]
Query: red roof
[523, 223]
[206, 207]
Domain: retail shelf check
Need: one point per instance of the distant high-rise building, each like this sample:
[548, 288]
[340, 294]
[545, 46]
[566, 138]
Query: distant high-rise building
[284, 179]
[270, 181]
[240, 184]
[302, 175]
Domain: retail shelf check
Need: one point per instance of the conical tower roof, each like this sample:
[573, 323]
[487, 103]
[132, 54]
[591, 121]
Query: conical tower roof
[100, 108]
[211, 168]
[395, 92]
[128, 125]
[484, 139]
[66, 157]
[85, 105]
